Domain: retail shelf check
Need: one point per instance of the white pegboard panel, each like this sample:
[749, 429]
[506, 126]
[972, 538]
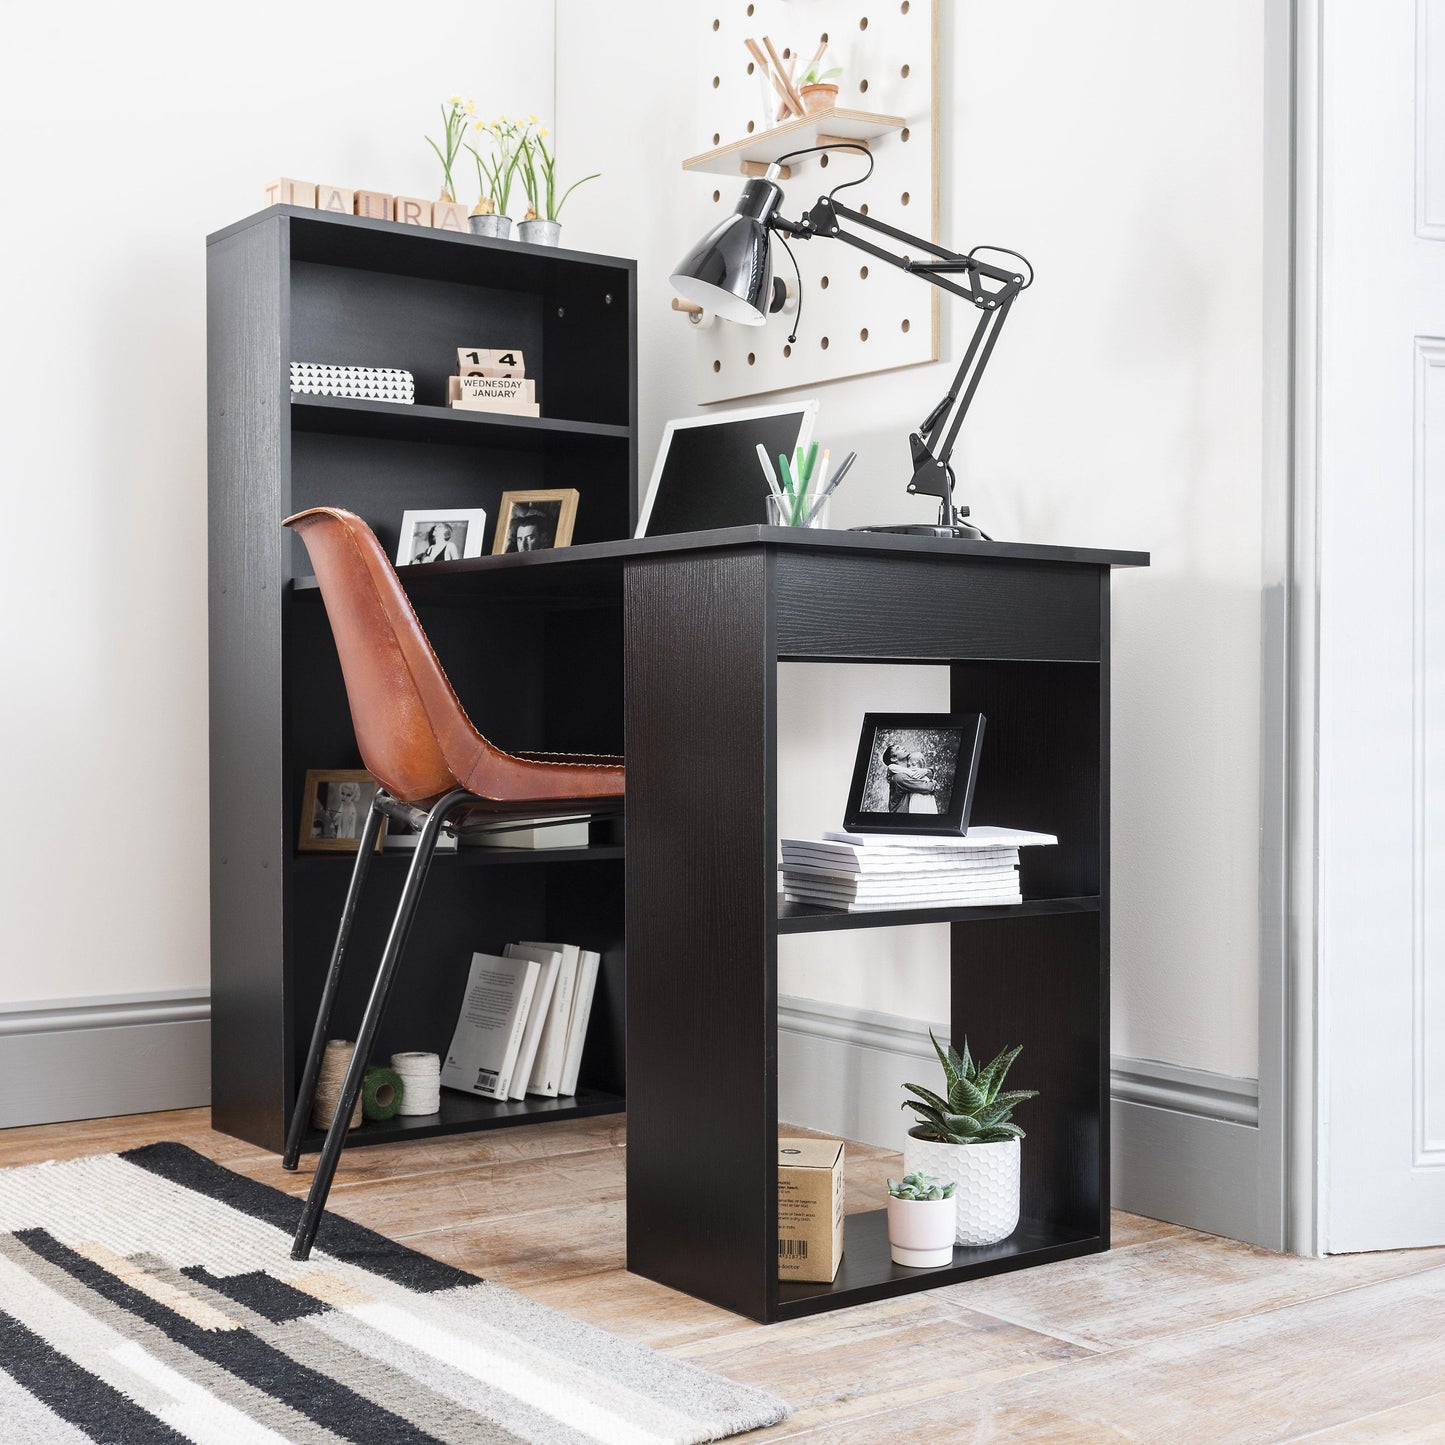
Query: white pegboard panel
[860, 314]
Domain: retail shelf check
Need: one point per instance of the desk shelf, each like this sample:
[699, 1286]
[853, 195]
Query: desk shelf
[808, 918]
[795, 134]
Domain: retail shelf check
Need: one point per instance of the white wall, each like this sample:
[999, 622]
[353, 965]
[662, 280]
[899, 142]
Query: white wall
[1118, 145]
[1121, 147]
[131, 133]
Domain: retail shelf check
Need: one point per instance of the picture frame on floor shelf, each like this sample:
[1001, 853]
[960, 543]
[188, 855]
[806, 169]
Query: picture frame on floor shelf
[334, 806]
[440, 534]
[534, 521]
[915, 773]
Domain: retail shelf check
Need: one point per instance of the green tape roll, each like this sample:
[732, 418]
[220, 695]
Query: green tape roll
[381, 1094]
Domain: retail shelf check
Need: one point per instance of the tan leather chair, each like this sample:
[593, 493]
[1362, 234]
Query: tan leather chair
[434, 769]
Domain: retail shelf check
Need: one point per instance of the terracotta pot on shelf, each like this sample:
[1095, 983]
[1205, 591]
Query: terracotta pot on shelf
[822, 96]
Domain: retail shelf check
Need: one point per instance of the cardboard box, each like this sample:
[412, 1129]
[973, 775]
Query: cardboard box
[810, 1209]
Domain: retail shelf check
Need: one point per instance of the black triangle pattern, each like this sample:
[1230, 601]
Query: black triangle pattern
[367, 383]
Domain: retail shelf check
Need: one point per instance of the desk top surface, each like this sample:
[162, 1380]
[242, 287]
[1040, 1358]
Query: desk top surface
[789, 539]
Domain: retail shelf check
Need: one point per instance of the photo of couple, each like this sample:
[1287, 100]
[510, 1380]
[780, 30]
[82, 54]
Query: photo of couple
[915, 773]
[912, 771]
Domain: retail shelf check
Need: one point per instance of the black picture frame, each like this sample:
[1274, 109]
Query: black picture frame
[938, 754]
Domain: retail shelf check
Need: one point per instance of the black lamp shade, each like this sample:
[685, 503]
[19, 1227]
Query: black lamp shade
[730, 270]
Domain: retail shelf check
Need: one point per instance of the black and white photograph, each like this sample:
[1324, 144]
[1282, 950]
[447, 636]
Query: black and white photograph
[534, 521]
[914, 773]
[437, 536]
[333, 810]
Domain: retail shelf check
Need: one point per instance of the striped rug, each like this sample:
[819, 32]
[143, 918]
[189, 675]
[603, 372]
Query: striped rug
[150, 1296]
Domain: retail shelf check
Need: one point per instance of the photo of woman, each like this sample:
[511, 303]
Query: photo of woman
[914, 773]
[437, 544]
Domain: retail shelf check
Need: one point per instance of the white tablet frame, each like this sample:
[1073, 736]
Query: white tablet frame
[721, 418]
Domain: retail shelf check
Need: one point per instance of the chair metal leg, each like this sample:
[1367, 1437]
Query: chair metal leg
[306, 1094]
[371, 1020]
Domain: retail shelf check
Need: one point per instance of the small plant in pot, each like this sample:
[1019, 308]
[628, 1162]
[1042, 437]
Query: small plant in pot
[966, 1137]
[921, 1221]
[496, 171]
[543, 226]
[818, 88]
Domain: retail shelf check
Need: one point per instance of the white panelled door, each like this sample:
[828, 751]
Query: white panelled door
[1381, 494]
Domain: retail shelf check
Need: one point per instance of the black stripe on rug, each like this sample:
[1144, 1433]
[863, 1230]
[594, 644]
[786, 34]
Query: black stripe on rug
[84, 1400]
[241, 1353]
[339, 1237]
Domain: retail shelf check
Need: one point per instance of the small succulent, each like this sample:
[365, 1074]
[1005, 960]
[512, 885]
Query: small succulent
[923, 1188]
[976, 1110]
[813, 76]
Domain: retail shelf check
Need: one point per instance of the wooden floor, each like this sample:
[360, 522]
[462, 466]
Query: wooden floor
[1174, 1336]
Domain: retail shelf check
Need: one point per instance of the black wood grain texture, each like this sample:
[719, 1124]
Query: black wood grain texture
[1040, 762]
[852, 605]
[248, 443]
[536, 671]
[1038, 981]
[701, 950]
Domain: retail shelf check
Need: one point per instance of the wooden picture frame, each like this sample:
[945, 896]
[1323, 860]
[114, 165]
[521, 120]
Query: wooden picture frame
[348, 813]
[554, 511]
[907, 756]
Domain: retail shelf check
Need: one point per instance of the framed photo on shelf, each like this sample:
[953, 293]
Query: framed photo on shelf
[334, 808]
[915, 773]
[440, 535]
[533, 521]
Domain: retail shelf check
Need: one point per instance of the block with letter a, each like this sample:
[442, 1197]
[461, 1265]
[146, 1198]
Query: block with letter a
[448, 216]
[334, 198]
[291, 193]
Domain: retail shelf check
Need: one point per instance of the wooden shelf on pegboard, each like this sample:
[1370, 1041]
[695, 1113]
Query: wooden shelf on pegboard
[802, 130]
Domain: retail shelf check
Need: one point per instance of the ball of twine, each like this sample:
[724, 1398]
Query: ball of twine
[334, 1064]
[420, 1075]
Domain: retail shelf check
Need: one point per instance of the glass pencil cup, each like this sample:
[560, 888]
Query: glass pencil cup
[809, 510]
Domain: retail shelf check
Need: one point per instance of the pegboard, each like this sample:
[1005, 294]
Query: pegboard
[860, 314]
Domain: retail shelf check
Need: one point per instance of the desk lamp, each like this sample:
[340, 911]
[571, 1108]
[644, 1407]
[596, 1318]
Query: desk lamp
[729, 271]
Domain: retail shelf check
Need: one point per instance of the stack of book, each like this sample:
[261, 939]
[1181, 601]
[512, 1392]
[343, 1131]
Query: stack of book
[523, 1022]
[873, 872]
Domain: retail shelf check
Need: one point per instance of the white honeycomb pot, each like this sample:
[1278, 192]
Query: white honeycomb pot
[987, 1176]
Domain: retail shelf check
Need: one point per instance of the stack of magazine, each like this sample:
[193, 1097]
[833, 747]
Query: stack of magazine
[523, 1022]
[872, 872]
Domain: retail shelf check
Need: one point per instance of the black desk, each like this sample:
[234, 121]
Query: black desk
[1024, 631]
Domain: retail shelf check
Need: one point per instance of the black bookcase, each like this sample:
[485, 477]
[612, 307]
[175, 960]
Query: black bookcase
[535, 671]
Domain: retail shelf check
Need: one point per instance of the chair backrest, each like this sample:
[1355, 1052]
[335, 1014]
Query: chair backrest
[414, 735]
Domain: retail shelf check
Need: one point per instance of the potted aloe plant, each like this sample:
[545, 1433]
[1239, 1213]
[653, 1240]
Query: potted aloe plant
[921, 1213]
[496, 172]
[966, 1137]
[543, 226]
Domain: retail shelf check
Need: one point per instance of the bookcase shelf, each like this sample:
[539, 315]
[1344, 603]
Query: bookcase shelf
[292, 285]
[348, 416]
[466, 1113]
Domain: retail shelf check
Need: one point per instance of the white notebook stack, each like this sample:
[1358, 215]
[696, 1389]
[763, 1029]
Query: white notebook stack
[523, 1022]
[873, 872]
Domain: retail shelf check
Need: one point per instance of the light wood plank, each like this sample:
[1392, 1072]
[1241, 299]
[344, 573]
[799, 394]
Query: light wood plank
[1170, 1285]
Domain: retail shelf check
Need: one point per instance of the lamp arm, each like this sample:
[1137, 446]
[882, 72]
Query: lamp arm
[932, 474]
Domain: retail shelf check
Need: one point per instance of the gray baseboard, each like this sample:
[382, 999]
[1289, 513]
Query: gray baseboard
[1185, 1141]
[93, 1057]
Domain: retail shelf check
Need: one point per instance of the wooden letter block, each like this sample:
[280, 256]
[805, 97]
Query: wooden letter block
[333, 198]
[374, 204]
[409, 211]
[449, 216]
[291, 193]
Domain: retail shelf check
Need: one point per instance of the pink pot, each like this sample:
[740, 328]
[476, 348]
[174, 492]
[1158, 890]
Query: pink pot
[823, 96]
[920, 1231]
